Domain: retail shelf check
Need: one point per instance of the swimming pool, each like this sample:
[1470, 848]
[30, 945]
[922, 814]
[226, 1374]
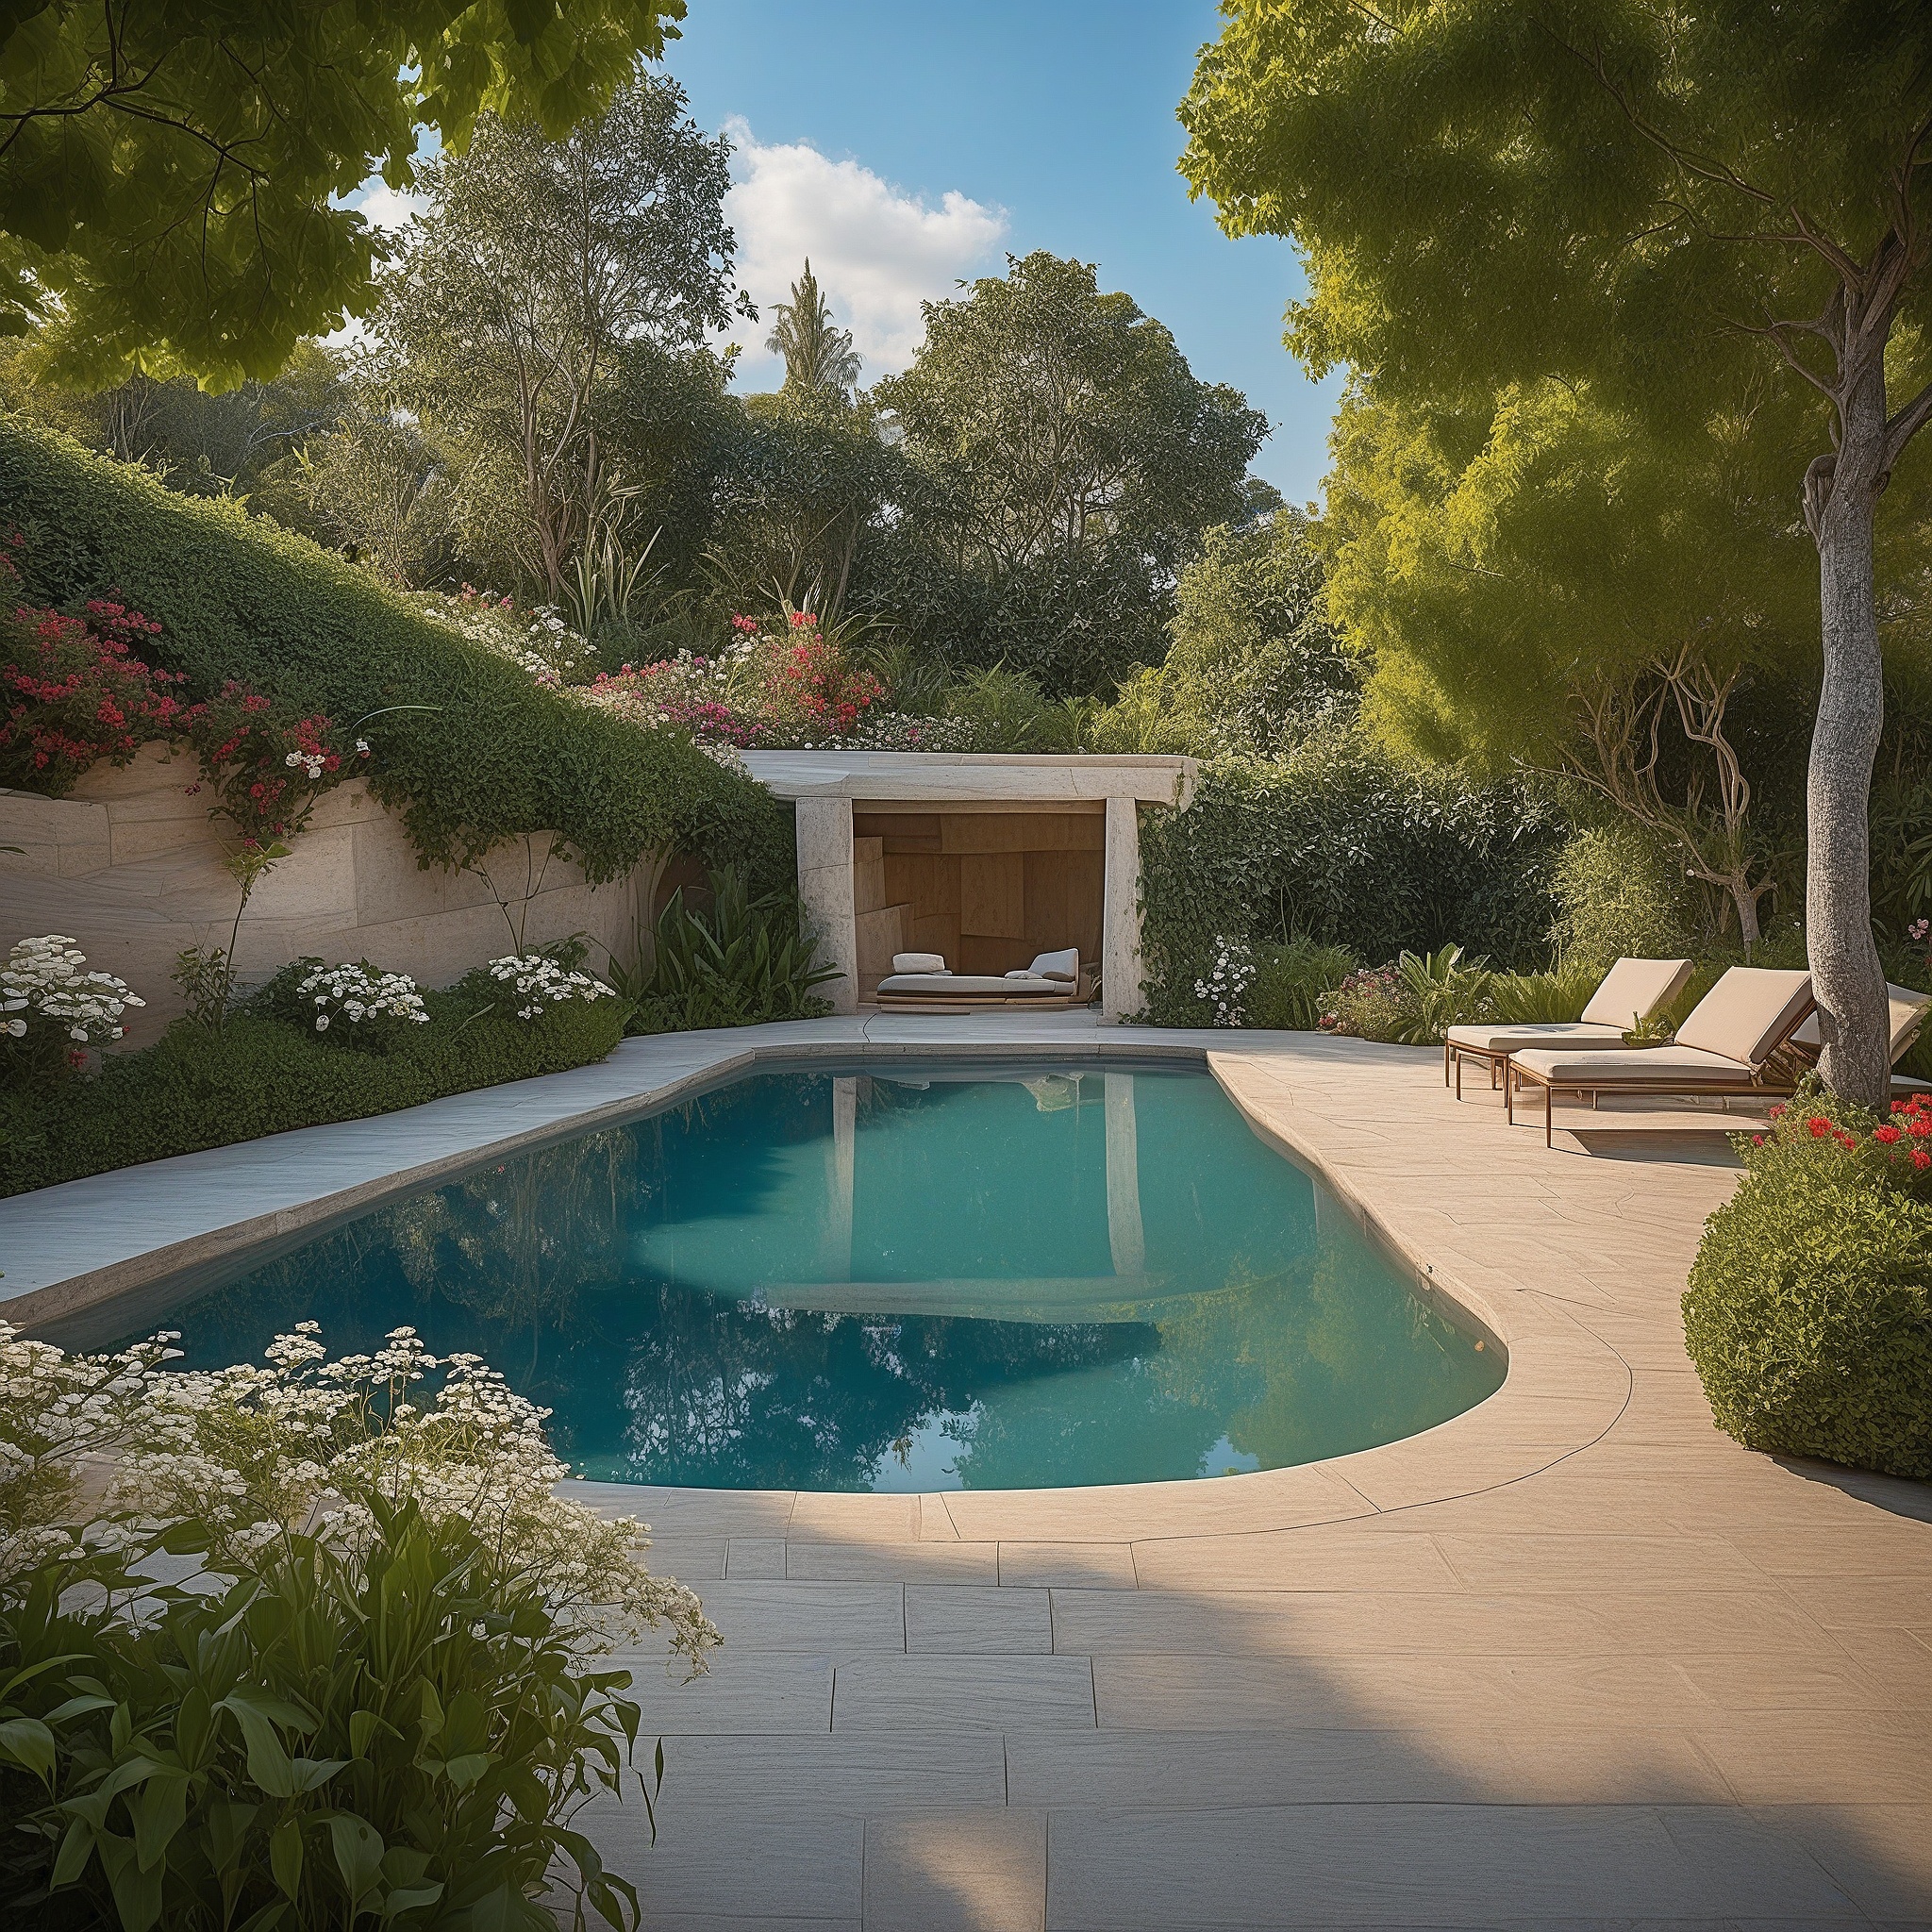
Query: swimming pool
[898, 1278]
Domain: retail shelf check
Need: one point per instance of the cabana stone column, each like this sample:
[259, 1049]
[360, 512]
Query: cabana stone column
[1119, 933]
[825, 889]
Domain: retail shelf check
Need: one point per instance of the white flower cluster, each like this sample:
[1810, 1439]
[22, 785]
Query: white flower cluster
[310, 761]
[58, 1414]
[361, 995]
[547, 648]
[42, 980]
[541, 983]
[305, 1445]
[1227, 982]
[907, 731]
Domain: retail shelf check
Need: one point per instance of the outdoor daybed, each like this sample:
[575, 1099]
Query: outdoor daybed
[1729, 1044]
[1629, 993]
[920, 982]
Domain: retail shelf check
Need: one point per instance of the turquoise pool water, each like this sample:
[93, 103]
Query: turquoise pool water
[939, 1279]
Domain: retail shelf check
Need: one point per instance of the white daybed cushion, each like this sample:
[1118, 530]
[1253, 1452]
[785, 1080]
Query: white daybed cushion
[1555, 1036]
[949, 985]
[1634, 990]
[918, 962]
[1061, 965]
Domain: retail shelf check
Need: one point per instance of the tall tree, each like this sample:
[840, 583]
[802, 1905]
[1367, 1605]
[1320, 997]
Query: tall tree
[1558, 585]
[818, 353]
[1642, 197]
[1079, 456]
[535, 267]
[169, 170]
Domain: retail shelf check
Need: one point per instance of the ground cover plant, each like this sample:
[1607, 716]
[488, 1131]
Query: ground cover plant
[315, 1045]
[1808, 1315]
[375, 1695]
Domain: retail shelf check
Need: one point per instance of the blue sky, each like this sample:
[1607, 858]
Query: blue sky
[908, 144]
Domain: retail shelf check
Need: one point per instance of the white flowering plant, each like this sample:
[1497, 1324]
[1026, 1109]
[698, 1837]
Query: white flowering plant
[536, 984]
[53, 1008]
[354, 1004]
[1230, 972]
[542, 644]
[378, 1692]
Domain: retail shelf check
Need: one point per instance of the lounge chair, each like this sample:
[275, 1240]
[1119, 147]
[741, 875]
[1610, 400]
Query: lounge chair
[1907, 1015]
[1729, 1044]
[1631, 990]
[920, 982]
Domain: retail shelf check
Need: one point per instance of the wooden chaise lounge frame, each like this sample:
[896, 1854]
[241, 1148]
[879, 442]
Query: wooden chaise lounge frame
[1767, 1062]
[1788, 1060]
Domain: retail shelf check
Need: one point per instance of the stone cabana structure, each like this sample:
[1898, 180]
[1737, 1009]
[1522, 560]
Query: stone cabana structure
[987, 858]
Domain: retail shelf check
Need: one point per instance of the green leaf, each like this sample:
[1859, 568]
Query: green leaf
[285, 1855]
[269, 1768]
[27, 1742]
[159, 1812]
[359, 1850]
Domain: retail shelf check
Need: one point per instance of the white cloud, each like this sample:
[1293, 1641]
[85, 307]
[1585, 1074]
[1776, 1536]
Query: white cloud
[877, 251]
[383, 206]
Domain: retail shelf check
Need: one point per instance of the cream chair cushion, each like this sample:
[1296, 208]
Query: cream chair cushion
[1675, 1069]
[1557, 1036]
[1907, 1011]
[1634, 990]
[918, 962]
[1748, 1014]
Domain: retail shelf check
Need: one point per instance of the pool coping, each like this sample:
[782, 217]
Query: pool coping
[1563, 1390]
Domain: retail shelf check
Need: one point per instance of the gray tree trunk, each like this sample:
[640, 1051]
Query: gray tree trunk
[1846, 976]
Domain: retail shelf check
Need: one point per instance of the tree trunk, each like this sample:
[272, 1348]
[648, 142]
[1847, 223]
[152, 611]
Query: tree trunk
[1845, 971]
[1746, 899]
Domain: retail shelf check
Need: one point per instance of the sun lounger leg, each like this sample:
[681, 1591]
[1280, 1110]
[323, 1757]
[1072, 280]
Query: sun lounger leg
[1549, 1114]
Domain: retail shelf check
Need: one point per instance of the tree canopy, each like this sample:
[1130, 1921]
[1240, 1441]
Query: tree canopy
[536, 266]
[1077, 456]
[169, 170]
[817, 353]
[1660, 202]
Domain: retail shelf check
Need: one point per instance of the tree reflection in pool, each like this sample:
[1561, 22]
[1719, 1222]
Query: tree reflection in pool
[945, 1278]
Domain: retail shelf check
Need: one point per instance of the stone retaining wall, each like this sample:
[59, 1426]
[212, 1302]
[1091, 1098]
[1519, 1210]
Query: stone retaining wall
[130, 864]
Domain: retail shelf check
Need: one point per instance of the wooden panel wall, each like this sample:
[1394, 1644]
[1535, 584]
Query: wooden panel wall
[991, 890]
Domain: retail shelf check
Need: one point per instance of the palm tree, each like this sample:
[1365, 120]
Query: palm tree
[817, 354]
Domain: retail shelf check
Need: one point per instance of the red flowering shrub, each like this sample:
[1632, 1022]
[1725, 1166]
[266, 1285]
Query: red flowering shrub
[813, 692]
[267, 776]
[73, 694]
[1809, 1310]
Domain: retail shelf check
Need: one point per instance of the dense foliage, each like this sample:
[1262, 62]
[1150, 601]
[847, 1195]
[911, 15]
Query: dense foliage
[1336, 844]
[375, 1693]
[170, 181]
[1809, 1309]
[467, 748]
[262, 1075]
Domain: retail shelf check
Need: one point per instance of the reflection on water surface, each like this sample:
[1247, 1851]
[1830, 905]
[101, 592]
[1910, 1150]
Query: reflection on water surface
[937, 1280]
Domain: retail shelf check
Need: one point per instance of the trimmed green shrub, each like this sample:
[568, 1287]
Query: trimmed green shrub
[1292, 982]
[1621, 895]
[194, 1089]
[1809, 1310]
[494, 756]
[1338, 845]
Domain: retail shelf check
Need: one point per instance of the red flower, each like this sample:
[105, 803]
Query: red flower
[1820, 1127]
[1921, 1159]
[1886, 1135]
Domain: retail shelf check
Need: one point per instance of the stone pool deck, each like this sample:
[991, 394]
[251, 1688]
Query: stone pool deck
[1572, 1659]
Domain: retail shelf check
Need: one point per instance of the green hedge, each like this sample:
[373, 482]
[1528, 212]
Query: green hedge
[1809, 1310]
[1336, 844]
[192, 1090]
[498, 756]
